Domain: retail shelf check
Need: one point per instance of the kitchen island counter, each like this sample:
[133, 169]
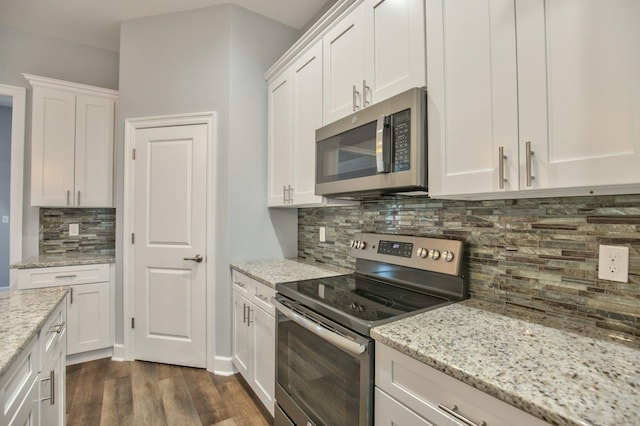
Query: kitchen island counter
[560, 375]
[272, 272]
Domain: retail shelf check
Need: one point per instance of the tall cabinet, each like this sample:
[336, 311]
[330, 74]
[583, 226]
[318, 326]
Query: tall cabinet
[552, 103]
[72, 144]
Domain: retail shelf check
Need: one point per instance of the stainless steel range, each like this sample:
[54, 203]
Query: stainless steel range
[324, 355]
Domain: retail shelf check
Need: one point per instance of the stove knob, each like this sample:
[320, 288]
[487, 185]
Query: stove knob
[434, 254]
[422, 252]
[447, 256]
[353, 244]
[361, 245]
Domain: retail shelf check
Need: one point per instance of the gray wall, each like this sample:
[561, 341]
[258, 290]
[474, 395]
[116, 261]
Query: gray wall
[5, 186]
[23, 52]
[212, 59]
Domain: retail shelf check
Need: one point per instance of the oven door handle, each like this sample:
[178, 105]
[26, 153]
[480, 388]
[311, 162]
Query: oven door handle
[317, 329]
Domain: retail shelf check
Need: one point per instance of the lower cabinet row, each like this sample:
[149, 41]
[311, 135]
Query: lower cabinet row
[32, 391]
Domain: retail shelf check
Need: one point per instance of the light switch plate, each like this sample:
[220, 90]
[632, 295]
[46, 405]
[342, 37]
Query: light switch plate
[613, 263]
[323, 235]
[74, 229]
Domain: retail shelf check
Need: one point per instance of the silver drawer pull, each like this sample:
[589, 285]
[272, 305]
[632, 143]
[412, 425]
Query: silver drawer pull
[265, 299]
[57, 328]
[238, 283]
[60, 277]
[52, 387]
[453, 412]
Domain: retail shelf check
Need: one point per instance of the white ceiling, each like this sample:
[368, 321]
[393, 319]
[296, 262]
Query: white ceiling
[97, 22]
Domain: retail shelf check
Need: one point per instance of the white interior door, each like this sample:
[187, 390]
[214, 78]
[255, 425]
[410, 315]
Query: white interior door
[170, 228]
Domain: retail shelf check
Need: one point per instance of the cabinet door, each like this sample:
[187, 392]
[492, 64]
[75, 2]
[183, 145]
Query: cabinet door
[578, 68]
[28, 413]
[52, 388]
[280, 140]
[264, 360]
[241, 340]
[389, 412]
[53, 153]
[94, 151]
[394, 48]
[88, 318]
[306, 76]
[342, 68]
[472, 96]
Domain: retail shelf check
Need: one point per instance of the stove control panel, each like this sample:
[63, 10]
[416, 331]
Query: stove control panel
[431, 254]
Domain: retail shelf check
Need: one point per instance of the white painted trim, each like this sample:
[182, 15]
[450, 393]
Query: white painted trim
[223, 366]
[118, 352]
[89, 356]
[314, 33]
[19, 95]
[36, 80]
[131, 126]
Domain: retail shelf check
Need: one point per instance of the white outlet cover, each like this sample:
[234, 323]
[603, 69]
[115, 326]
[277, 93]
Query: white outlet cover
[322, 236]
[613, 263]
[74, 229]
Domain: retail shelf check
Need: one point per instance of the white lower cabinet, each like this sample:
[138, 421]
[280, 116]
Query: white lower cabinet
[89, 305]
[409, 393]
[52, 382]
[254, 336]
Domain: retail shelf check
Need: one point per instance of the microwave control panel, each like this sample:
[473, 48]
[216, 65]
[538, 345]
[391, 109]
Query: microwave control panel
[401, 139]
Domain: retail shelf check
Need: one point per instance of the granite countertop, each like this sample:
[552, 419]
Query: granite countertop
[64, 259]
[563, 377]
[22, 314]
[272, 272]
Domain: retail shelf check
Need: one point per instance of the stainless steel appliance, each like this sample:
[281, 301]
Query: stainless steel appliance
[380, 149]
[324, 352]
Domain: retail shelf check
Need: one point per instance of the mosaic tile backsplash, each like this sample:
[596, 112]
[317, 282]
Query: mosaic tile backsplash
[97, 233]
[540, 254]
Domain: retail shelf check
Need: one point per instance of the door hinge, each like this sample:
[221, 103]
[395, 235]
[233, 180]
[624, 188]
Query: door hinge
[133, 322]
[133, 238]
[133, 154]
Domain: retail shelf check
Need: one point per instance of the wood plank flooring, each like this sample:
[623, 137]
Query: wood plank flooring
[105, 392]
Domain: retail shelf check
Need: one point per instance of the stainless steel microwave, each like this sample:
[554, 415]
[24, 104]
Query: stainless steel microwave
[381, 149]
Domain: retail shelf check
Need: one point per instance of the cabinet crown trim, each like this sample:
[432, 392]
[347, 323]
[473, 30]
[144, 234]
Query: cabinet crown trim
[36, 80]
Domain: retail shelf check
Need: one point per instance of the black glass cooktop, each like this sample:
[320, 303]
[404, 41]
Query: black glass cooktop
[357, 301]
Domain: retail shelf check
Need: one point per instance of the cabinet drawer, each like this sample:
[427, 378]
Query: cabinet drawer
[262, 298]
[389, 412]
[424, 390]
[19, 379]
[52, 331]
[242, 283]
[62, 275]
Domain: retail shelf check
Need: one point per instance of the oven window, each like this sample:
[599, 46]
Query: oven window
[349, 155]
[322, 379]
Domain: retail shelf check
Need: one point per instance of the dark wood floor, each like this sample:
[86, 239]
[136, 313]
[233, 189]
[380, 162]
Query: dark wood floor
[106, 392]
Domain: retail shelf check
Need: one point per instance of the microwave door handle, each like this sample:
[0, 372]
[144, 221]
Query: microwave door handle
[317, 329]
[382, 144]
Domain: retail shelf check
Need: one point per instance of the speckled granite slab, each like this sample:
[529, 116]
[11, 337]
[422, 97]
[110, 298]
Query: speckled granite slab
[22, 314]
[559, 376]
[272, 272]
[64, 259]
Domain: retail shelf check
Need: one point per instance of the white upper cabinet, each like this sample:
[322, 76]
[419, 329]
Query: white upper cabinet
[552, 103]
[72, 144]
[374, 52]
[279, 140]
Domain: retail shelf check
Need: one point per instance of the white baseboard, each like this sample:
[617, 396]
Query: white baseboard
[223, 366]
[89, 356]
[118, 352]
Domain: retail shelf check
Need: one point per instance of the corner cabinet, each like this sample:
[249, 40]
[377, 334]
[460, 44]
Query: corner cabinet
[374, 52]
[254, 336]
[409, 392]
[548, 106]
[72, 156]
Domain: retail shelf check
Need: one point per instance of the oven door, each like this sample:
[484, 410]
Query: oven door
[324, 372]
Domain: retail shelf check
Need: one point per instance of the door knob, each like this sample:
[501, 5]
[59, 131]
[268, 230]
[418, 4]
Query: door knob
[196, 258]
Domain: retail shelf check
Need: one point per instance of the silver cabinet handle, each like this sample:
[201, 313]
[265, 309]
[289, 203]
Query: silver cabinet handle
[57, 328]
[197, 258]
[501, 158]
[382, 166]
[529, 153]
[244, 313]
[78, 197]
[365, 88]
[290, 197]
[249, 310]
[68, 195]
[265, 299]
[356, 94]
[59, 277]
[71, 296]
[453, 412]
[239, 283]
[52, 387]
[317, 329]
[284, 194]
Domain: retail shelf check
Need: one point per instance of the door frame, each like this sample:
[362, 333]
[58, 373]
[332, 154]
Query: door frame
[131, 125]
[18, 112]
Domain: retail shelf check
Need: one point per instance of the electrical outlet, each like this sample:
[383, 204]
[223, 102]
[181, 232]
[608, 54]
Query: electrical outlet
[322, 234]
[613, 263]
[74, 229]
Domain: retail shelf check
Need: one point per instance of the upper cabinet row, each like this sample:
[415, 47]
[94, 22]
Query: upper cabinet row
[533, 98]
[72, 144]
[371, 53]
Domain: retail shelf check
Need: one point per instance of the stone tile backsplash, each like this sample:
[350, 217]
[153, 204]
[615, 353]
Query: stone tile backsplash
[97, 233]
[541, 254]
